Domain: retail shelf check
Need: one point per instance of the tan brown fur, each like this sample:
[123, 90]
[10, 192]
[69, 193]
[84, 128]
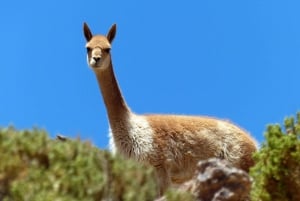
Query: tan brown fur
[172, 144]
[184, 140]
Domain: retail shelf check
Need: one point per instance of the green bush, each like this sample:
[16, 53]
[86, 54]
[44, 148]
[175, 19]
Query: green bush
[277, 171]
[177, 195]
[34, 167]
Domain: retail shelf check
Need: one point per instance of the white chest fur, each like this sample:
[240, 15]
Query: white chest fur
[134, 140]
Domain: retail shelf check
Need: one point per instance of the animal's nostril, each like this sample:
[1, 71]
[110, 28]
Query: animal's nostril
[96, 59]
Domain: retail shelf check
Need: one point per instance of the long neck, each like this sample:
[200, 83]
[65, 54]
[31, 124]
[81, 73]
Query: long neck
[115, 104]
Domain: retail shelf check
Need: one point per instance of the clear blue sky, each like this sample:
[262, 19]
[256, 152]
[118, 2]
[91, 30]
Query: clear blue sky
[237, 60]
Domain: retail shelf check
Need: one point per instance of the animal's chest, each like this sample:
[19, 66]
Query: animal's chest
[134, 139]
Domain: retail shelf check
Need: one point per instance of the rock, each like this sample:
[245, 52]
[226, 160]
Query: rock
[216, 180]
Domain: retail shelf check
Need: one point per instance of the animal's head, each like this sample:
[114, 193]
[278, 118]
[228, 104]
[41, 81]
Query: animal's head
[98, 47]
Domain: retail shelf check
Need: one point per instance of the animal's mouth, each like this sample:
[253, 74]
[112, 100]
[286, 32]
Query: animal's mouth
[98, 62]
[95, 63]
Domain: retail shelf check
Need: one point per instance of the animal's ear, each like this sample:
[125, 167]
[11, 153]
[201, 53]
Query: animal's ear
[112, 33]
[87, 32]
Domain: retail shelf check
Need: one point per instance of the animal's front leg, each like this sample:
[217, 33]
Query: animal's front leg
[163, 179]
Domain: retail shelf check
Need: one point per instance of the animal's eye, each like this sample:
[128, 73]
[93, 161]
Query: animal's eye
[88, 49]
[106, 50]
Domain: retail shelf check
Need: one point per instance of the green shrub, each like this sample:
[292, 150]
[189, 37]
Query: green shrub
[277, 171]
[177, 195]
[34, 167]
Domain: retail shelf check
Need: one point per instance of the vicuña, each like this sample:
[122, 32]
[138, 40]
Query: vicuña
[172, 144]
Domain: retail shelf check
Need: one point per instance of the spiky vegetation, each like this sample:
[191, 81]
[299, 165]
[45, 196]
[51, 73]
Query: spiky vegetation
[35, 168]
[277, 172]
